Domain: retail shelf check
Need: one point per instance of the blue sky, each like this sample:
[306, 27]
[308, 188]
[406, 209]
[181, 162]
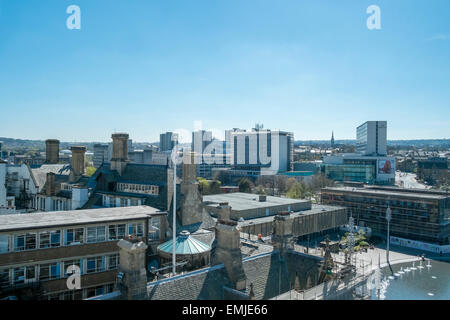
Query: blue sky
[145, 67]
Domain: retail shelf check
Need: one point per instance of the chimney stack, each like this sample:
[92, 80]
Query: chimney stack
[282, 231]
[77, 170]
[50, 188]
[132, 268]
[119, 158]
[52, 151]
[228, 249]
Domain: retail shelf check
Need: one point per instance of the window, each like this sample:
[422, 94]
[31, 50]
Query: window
[123, 202]
[69, 263]
[73, 295]
[25, 242]
[109, 288]
[49, 271]
[113, 261]
[96, 234]
[4, 277]
[94, 291]
[4, 243]
[19, 275]
[49, 239]
[136, 229]
[116, 232]
[95, 265]
[155, 225]
[30, 272]
[74, 236]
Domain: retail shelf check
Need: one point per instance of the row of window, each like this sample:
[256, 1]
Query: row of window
[82, 293]
[123, 202]
[57, 270]
[137, 188]
[53, 239]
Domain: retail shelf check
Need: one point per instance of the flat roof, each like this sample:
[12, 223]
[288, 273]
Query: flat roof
[246, 201]
[390, 192]
[316, 208]
[37, 220]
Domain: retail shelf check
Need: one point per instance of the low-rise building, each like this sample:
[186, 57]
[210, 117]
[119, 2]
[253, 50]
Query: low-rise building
[417, 214]
[250, 206]
[37, 248]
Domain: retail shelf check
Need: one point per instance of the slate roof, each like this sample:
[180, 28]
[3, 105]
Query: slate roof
[61, 171]
[264, 271]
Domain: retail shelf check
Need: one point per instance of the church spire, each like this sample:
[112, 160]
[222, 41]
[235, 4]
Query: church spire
[332, 139]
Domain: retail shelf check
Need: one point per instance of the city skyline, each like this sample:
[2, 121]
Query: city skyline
[147, 68]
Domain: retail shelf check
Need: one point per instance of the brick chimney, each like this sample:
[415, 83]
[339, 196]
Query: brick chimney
[227, 249]
[282, 231]
[51, 151]
[133, 285]
[77, 169]
[119, 158]
[50, 187]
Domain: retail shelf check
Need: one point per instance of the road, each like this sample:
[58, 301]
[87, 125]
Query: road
[408, 180]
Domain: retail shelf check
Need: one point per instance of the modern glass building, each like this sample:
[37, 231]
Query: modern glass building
[358, 168]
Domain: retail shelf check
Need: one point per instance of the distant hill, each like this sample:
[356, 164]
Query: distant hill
[443, 143]
[39, 145]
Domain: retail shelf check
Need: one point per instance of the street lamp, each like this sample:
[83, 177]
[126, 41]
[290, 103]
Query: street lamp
[388, 219]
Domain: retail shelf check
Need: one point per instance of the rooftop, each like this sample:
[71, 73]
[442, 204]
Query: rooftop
[37, 220]
[245, 201]
[184, 244]
[411, 193]
[314, 210]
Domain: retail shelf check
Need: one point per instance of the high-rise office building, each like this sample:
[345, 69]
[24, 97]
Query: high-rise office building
[371, 138]
[167, 141]
[262, 150]
[101, 154]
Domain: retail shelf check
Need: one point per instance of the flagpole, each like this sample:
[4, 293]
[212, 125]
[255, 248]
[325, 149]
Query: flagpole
[174, 223]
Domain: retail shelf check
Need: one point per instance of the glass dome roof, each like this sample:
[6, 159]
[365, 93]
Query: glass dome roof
[184, 244]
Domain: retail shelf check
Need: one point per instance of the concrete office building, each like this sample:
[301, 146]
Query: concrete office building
[167, 141]
[37, 249]
[250, 206]
[417, 214]
[262, 151]
[433, 170]
[101, 154]
[371, 138]
[370, 165]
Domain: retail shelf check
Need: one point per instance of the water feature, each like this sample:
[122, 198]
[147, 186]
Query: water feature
[431, 283]
[420, 265]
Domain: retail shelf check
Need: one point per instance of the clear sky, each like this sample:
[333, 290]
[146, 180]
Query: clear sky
[145, 67]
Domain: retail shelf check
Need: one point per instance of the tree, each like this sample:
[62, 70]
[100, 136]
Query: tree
[298, 190]
[260, 190]
[203, 186]
[214, 187]
[245, 185]
[90, 171]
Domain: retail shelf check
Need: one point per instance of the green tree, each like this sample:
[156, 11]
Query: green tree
[90, 171]
[245, 185]
[203, 186]
[214, 187]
